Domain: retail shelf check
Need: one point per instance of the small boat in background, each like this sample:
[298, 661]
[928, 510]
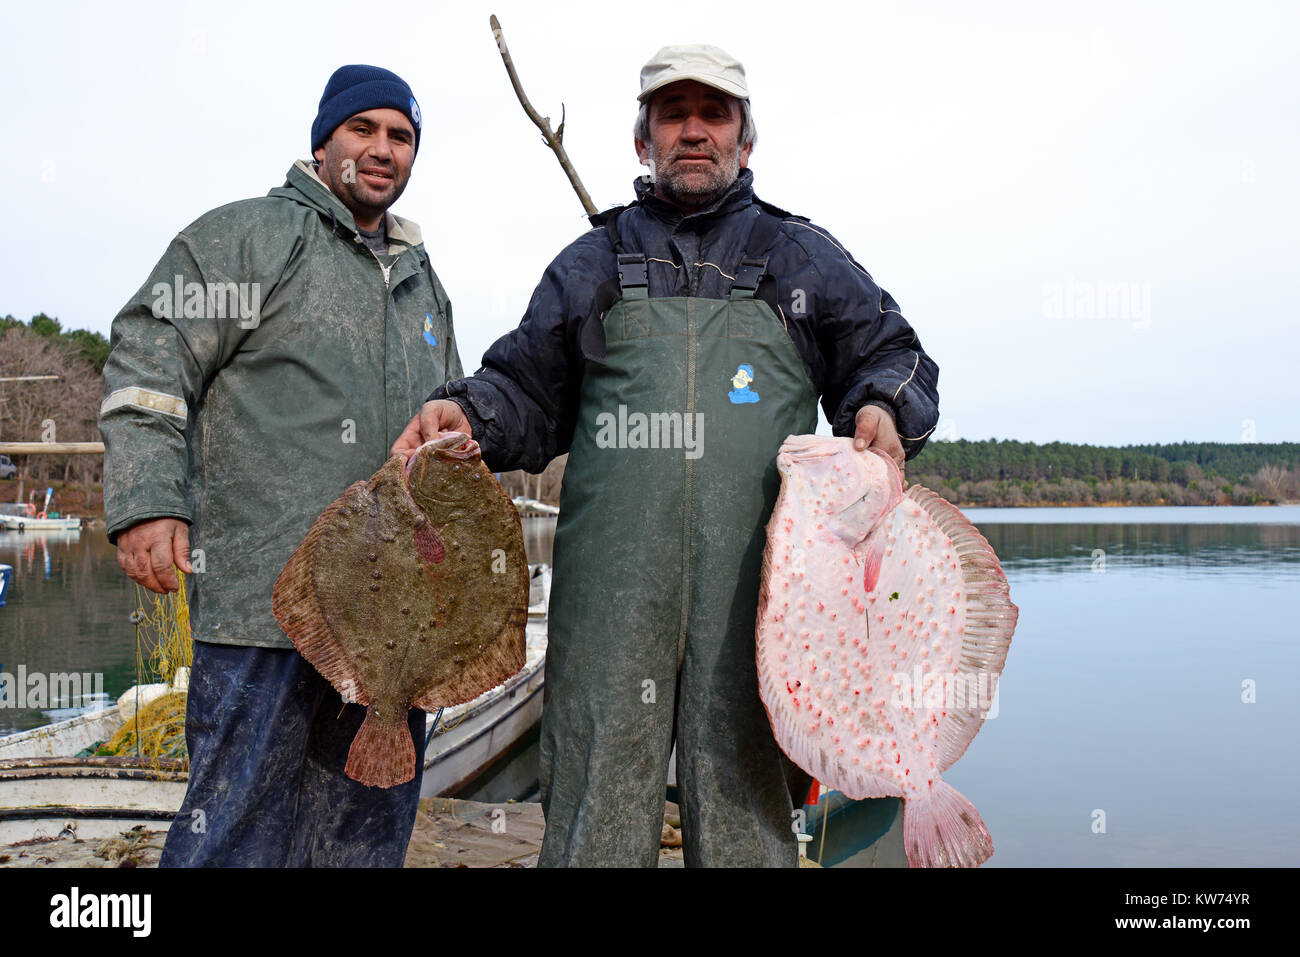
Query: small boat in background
[46, 787]
[28, 518]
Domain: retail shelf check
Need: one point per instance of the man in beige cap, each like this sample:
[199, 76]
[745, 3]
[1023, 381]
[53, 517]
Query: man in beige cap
[650, 318]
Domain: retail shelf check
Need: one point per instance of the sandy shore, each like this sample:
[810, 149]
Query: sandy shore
[448, 833]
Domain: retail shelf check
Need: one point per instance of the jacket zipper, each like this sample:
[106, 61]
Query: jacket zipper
[386, 270]
[686, 485]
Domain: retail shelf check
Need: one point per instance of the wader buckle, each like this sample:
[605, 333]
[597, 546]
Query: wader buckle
[631, 270]
[749, 274]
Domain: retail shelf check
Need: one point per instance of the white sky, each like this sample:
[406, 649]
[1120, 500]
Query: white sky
[993, 165]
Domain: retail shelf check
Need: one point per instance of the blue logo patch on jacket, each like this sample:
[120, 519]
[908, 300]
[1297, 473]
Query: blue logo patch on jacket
[429, 337]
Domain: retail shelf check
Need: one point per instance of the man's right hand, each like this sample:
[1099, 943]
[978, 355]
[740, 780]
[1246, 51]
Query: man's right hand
[437, 415]
[147, 553]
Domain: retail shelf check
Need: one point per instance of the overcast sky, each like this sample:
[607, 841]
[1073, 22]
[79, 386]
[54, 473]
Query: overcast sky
[1089, 213]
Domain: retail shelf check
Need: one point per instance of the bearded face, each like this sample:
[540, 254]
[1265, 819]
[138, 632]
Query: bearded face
[694, 152]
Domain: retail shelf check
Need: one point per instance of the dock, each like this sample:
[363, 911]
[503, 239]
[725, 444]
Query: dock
[448, 833]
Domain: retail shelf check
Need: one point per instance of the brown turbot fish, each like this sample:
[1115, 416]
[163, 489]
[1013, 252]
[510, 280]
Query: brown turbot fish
[410, 590]
[884, 622]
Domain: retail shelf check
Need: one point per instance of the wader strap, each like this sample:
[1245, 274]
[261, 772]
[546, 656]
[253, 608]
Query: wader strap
[609, 219]
[754, 265]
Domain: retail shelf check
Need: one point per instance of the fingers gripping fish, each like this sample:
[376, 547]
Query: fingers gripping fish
[410, 590]
[883, 625]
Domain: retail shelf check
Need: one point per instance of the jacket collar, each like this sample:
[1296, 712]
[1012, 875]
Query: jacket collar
[739, 195]
[303, 179]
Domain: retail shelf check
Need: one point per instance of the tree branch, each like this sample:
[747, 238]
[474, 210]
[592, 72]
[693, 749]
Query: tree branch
[553, 138]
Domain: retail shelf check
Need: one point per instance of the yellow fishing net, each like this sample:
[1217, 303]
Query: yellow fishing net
[155, 731]
[162, 646]
[162, 634]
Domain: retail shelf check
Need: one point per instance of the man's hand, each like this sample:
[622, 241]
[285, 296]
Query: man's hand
[148, 551]
[438, 415]
[874, 428]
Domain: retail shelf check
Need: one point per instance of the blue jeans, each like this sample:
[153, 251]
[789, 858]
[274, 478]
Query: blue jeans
[268, 739]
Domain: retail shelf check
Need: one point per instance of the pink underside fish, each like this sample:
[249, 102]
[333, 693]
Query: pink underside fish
[883, 625]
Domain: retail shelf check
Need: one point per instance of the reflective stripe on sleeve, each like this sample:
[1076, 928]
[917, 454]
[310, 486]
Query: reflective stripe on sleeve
[146, 400]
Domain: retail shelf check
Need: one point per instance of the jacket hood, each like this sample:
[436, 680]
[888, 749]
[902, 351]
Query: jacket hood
[304, 186]
[738, 195]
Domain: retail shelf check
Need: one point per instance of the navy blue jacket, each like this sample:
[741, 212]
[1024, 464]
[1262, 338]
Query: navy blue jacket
[856, 346]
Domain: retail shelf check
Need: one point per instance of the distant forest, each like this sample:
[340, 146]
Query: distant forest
[91, 346]
[1009, 473]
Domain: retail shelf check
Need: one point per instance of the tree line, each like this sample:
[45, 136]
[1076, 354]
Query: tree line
[967, 473]
[993, 472]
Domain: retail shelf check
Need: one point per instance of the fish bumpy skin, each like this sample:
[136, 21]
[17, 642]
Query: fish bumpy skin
[410, 590]
[883, 625]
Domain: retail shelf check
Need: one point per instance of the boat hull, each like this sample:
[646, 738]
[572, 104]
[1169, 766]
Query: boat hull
[95, 797]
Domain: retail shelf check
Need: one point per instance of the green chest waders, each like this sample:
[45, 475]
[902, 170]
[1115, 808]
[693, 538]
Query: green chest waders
[658, 554]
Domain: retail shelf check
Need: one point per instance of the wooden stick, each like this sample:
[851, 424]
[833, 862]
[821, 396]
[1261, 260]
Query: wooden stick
[52, 448]
[554, 138]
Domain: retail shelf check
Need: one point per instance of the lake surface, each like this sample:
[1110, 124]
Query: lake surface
[1141, 632]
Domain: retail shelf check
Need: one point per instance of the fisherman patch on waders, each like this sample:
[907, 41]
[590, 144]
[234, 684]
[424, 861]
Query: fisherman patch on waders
[740, 393]
[657, 565]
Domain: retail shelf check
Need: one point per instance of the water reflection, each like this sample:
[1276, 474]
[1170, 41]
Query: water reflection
[69, 606]
[1145, 691]
[1182, 549]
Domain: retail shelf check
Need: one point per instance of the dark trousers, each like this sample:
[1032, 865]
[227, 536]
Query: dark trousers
[268, 739]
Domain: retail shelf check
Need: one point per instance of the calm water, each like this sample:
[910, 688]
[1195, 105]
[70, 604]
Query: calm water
[1139, 630]
[69, 607]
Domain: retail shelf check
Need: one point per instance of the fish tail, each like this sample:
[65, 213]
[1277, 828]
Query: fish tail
[382, 754]
[943, 829]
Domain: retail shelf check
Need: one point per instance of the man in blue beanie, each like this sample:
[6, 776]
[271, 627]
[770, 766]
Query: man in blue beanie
[267, 364]
[365, 138]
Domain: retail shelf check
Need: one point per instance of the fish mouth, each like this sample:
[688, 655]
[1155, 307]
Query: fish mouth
[452, 445]
[803, 448]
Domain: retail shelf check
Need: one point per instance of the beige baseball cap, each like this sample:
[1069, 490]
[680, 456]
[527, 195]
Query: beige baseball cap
[694, 61]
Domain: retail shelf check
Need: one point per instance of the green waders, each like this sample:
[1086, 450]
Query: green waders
[658, 556]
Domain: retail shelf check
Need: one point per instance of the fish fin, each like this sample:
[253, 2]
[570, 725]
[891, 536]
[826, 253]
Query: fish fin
[943, 829]
[382, 754]
[811, 755]
[874, 559]
[990, 617]
[502, 659]
[297, 608]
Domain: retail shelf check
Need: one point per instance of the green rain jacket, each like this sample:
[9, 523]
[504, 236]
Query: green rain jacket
[269, 361]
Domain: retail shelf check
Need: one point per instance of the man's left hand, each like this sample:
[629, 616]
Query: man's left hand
[874, 428]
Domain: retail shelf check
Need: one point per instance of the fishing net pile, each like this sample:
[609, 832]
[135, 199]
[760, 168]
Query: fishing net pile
[156, 731]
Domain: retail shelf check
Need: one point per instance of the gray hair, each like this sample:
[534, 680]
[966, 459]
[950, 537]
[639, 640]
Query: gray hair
[748, 132]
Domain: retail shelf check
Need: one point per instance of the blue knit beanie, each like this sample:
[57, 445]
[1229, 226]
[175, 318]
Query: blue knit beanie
[356, 88]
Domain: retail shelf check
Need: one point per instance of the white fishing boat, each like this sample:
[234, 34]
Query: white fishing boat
[46, 789]
[33, 523]
[91, 798]
[467, 740]
[30, 518]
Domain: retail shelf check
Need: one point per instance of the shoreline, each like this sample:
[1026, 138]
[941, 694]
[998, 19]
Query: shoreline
[88, 504]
